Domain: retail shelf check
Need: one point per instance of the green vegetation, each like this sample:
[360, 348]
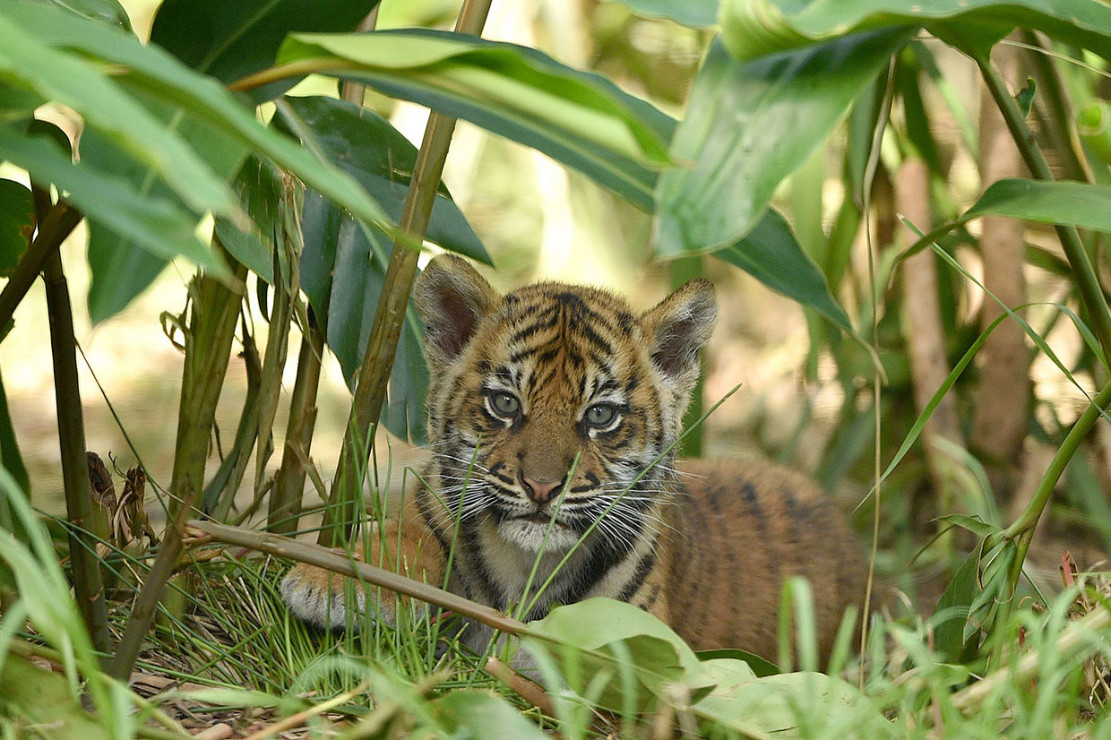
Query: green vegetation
[830, 152]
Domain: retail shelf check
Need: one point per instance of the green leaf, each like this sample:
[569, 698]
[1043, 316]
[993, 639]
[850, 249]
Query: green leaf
[66, 78]
[230, 40]
[150, 70]
[10, 457]
[752, 28]
[772, 255]
[38, 697]
[259, 187]
[105, 11]
[748, 126]
[159, 224]
[475, 714]
[593, 629]
[1074, 203]
[343, 269]
[379, 156]
[952, 610]
[1092, 125]
[580, 119]
[698, 13]
[17, 224]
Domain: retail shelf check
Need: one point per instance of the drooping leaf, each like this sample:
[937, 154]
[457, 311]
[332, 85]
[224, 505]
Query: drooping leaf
[106, 11]
[230, 40]
[474, 713]
[952, 610]
[772, 255]
[259, 187]
[17, 224]
[752, 28]
[1075, 203]
[748, 126]
[149, 69]
[580, 119]
[342, 272]
[379, 156]
[698, 13]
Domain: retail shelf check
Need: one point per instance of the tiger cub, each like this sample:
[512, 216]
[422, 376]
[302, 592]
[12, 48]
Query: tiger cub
[553, 413]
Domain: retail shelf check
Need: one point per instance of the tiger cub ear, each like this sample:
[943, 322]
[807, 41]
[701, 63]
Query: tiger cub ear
[679, 326]
[452, 298]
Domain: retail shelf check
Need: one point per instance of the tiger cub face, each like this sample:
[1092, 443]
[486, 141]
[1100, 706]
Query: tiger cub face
[554, 405]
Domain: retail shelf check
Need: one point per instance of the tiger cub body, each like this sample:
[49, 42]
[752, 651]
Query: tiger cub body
[553, 413]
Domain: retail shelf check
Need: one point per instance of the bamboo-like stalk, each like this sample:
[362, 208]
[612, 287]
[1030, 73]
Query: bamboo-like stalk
[374, 373]
[289, 482]
[345, 565]
[87, 583]
[1087, 282]
[215, 308]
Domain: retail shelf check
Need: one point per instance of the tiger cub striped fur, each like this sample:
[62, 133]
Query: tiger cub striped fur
[553, 412]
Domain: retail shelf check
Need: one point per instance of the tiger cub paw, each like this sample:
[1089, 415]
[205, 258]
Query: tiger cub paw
[318, 597]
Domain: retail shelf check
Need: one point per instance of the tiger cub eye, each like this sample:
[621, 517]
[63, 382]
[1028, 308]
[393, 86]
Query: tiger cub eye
[600, 415]
[504, 405]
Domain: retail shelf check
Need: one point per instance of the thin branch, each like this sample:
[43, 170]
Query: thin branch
[374, 373]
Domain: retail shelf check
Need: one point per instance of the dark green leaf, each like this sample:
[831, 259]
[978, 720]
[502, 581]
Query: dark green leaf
[259, 187]
[748, 126]
[105, 11]
[377, 155]
[699, 13]
[342, 272]
[9, 446]
[760, 667]
[17, 224]
[1074, 203]
[772, 255]
[230, 40]
[580, 119]
[951, 613]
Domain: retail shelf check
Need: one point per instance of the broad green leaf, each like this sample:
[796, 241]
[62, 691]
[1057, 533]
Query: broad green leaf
[159, 224]
[748, 126]
[105, 11]
[788, 705]
[38, 697]
[473, 713]
[376, 154]
[161, 76]
[230, 40]
[259, 187]
[593, 627]
[122, 267]
[342, 271]
[62, 77]
[17, 224]
[699, 13]
[772, 255]
[1074, 203]
[752, 28]
[580, 119]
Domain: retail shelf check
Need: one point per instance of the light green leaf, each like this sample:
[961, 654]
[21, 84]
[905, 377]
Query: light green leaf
[752, 28]
[1074, 203]
[748, 126]
[772, 255]
[1094, 126]
[65, 78]
[580, 119]
[698, 13]
[156, 73]
[476, 714]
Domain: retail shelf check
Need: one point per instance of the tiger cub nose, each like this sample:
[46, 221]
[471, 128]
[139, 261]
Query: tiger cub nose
[541, 491]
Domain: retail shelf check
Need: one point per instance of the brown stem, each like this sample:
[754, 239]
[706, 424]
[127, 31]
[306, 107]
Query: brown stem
[75, 467]
[374, 373]
[285, 500]
[339, 562]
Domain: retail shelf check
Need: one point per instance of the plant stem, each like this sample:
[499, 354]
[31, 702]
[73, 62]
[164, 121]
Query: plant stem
[58, 223]
[1087, 282]
[374, 373]
[215, 308]
[75, 467]
[285, 499]
[345, 565]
